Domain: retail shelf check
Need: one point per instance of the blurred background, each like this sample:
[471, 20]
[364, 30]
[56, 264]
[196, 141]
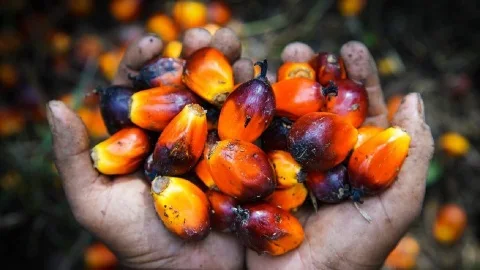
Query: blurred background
[65, 49]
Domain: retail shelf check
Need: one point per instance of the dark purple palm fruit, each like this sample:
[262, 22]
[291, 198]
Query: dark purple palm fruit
[114, 106]
[158, 72]
[330, 186]
[275, 136]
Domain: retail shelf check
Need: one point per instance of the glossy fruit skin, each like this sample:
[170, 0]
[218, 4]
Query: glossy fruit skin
[183, 207]
[329, 67]
[268, 229]
[209, 74]
[392, 106]
[297, 97]
[114, 106]
[275, 136]
[154, 108]
[290, 70]
[365, 133]
[222, 215]
[203, 173]
[450, 224]
[288, 172]
[374, 165]
[182, 142]
[161, 71]
[330, 186]
[241, 170]
[288, 199]
[248, 110]
[122, 153]
[320, 140]
[351, 102]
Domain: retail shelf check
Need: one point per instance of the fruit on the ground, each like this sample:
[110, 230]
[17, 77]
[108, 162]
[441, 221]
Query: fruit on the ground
[450, 224]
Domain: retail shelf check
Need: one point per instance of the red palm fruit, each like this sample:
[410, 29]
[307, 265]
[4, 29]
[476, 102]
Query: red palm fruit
[290, 70]
[248, 111]
[290, 198]
[299, 96]
[320, 140]
[241, 169]
[268, 229]
[329, 67]
[222, 215]
[218, 12]
[114, 106]
[351, 102]
[160, 71]
[275, 136]
[183, 207]
[330, 186]
[209, 74]
[154, 108]
[122, 153]
[365, 133]
[181, 143]
[374, 165]
[288, 172]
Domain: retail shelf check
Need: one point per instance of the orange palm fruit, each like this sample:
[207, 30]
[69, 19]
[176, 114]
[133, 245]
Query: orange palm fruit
[404, 255]
[450, 224]
[241, 169]
[290, 198]
[209, 74]
[321, 140]
[154, 108]
[99, 256]
[248, 110]
[189, 14]
[275, 136]
[365, 133]
[374, 165]
[218, 12]
[290, 70]
[182, 206]
[268, 229]
[122, 153]
[330, 186]
[222, 215]
[288, 172]
[92, 118]
[181, 143]
[163, 26]
[108, 62]
[158, 72]
[212, 28]
[12, 121]
[201, 169]
[392, 105]
[125, 10]
[351, 102]
[173, 49]
[299, 96]
[328, 67]
[454, 144]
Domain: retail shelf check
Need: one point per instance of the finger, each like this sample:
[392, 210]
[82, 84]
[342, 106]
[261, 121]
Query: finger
[226, 41]
[194, 39]
[297, 52]
[362, 68]
[243, 70]
[137, 55]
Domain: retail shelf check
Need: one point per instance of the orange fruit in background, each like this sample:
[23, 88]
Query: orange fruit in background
[189, 14]
[125, 10]
[99, 256]
[163, 26]
[405, 254]
[450, 224]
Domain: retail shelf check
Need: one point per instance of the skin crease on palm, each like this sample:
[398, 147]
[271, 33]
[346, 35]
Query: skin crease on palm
[120, 211]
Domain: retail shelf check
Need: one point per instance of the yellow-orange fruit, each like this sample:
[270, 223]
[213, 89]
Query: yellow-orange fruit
[173, 49]
[241, 170]
[125, 10]
[290, 70]
[374, 165]
[181, 143]
[122, 153]
[365, 133]
[405, 254]
[189, 14]
[108, 62]
[99, 256]
[454, 144]
[211, 28]
[222, 214]
[182, 206]
[392, 106]
[351, 7]
[268, 229]
[288, 199]
[288, 172]
[12, 121]
[450, 224]
[154, 108]
[164, 27]
[209, 74]
[201, 170]
[218, 12]
[93, 120]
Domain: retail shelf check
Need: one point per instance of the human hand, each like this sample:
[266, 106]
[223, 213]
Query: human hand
[337, 236]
